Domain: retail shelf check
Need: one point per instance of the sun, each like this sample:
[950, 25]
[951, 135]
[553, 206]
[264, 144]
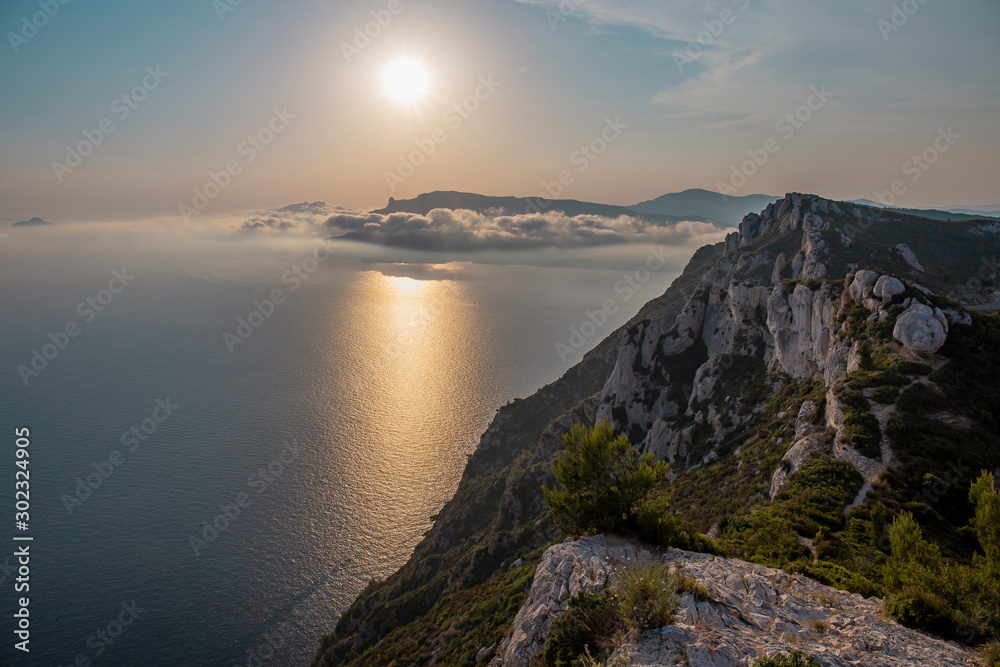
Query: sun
[406, 80]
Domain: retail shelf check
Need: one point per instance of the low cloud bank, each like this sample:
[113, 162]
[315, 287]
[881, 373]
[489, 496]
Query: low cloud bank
[469, 231]
[302, 217]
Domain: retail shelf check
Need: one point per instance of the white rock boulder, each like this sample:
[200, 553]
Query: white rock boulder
[920, 329]
[864, 283]
[888, 287]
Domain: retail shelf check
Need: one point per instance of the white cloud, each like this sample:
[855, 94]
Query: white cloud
[469, 231]
[772, 51]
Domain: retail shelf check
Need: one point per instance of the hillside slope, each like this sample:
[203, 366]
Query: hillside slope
[808, 379]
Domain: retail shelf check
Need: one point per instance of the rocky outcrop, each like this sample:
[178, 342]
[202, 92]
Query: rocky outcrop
[810, 442]
[909, 257]
[921, 329]
[751, 612]
[664, 389]
[790, 295]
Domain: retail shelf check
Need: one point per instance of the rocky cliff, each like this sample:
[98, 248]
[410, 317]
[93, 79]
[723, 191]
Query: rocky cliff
[749, 612]
[807, 378]
[768, 303]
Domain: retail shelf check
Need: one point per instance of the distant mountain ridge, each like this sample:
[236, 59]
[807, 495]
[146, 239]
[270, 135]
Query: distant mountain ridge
[695, 205]
[34, 222]
[427, 202]
[727, 211]
[957, 215]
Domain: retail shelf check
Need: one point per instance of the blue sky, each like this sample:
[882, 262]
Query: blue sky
[564, 67]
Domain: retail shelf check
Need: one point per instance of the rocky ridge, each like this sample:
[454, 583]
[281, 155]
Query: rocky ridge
[751, 612]
[774, 303]
[788, 302]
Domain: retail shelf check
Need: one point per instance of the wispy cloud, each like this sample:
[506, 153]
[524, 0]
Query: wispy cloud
[769, 51]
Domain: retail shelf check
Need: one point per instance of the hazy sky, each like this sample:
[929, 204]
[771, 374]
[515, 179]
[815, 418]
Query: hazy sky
[563, 72]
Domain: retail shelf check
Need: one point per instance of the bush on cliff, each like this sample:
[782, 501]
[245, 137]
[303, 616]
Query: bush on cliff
[643, 597]
[929, 591]
[796, 659]
[608, 486]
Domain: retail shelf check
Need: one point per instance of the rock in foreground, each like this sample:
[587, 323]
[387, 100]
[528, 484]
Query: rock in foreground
[752, 612]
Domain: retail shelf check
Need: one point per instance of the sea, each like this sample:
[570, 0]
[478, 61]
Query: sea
[227, 439]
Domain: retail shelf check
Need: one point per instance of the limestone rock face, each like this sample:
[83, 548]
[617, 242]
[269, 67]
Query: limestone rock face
[801, 325]
[752, 612]
[863, 285]
[672, 390]
[888, 287]
[921, 330]
[909, 257]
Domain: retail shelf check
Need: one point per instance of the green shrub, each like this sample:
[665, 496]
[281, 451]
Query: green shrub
[609, 487]
[796, 659]
[990, 654]
[643, 597]
[986, 498]
[587, 629]
[647, 595]
[654, 525]
[690, 586]
[886, 395]
[861, 428]
[924, 610]
[890, 361]
[604, 481]
[932, 592]
[862, 379]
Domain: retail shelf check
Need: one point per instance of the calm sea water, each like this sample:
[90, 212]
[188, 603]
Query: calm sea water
[381, 376]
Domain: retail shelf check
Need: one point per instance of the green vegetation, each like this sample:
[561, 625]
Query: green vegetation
[861, 428]
[990, 654]
[944, 432]
[929, 591]
[589, 628]
[604, 479]
[810, 503]
[465, 620]
[643, 597]
[646, 595]
[609, 487]
[710, 493]
[796, 659]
